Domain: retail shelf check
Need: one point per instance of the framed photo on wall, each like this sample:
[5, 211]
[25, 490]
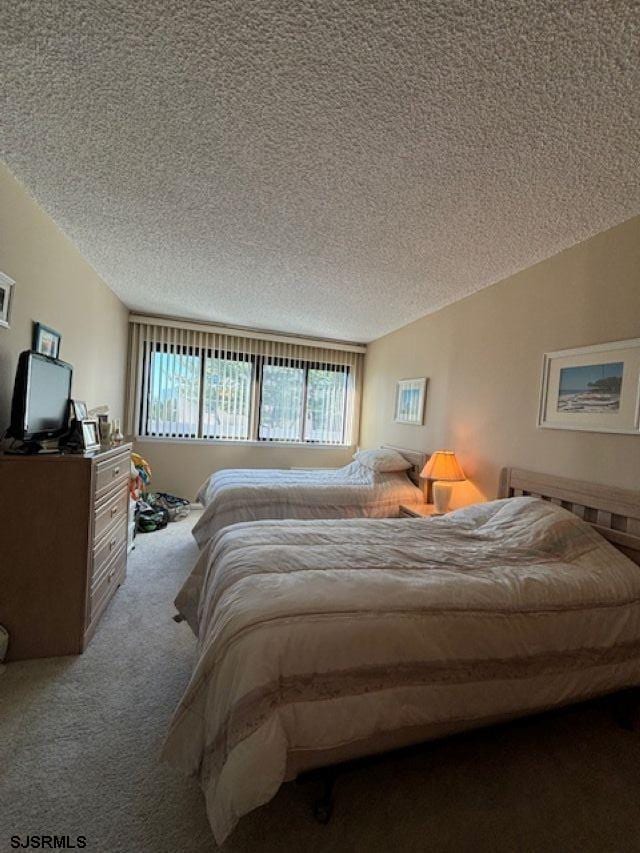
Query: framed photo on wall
[6, 295]
[594, 388]
[46, 341]
[410, 398]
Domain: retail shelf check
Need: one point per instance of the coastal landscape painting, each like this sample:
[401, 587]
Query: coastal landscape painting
[591, 388]
[594, 388]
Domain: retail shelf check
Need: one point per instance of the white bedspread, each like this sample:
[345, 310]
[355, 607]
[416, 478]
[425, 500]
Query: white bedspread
[250, 494]
[316, 635]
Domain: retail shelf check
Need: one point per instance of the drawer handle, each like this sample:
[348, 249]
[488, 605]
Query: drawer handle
[112, 544]
[116, 471]
[110, 575]
[114, 510]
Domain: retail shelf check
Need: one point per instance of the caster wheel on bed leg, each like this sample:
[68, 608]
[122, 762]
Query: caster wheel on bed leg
[627, 709]
[322, 811]
[323, 806]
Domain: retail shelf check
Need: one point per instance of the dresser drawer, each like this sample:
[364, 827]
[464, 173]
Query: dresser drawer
[112, 576]
[111, 512]
[112, 472]
[106, 547]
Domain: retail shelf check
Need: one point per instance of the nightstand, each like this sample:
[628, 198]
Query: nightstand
[417, 510]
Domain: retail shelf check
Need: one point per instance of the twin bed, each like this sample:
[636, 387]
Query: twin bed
[372, 486]
[320, 641]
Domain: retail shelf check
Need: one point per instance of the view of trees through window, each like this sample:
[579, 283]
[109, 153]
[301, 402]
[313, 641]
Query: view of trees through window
[173, 406]
[282, 403]
[193, 394]
[326, 405]
[227, 399]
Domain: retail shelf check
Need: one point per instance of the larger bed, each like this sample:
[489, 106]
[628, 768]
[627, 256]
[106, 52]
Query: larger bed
[372, 486]
[322, 641]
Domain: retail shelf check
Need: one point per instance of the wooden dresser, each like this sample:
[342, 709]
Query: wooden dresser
[63, 547]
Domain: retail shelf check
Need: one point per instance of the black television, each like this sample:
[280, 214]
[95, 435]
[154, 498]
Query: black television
[40, 405]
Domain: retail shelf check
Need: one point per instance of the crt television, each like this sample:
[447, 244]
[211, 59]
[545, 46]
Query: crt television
[40, 406]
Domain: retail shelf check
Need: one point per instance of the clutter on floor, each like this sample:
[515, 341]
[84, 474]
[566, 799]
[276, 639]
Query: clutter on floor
[154, 510]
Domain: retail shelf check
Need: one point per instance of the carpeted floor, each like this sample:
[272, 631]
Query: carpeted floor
[79, 740]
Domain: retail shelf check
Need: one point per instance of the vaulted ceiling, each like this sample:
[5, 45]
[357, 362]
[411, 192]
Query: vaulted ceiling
[330, 168]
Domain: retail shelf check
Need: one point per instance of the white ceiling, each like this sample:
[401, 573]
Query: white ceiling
[325, 168]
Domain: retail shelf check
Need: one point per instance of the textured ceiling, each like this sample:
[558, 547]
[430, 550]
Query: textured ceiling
[331, 168]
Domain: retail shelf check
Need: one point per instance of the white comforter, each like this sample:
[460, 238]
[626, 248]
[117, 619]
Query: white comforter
[320, 636]
[250, 494]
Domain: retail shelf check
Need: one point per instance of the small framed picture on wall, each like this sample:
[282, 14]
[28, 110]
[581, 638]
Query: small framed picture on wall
[410, 399]
[46, 341]
[6, 296]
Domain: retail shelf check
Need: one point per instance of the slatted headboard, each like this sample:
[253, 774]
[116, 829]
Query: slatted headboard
[418, 460]
[613, 512]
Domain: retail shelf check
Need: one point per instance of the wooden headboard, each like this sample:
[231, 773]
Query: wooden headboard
[417, 459]
[613, 512]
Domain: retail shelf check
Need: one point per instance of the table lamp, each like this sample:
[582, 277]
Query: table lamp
[444, 468]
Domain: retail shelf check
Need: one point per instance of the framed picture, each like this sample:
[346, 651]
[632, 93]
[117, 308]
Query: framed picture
[6, 296]
[593, 388]
[78, 410]
[46, 341]
[90, 434]
[410, 394]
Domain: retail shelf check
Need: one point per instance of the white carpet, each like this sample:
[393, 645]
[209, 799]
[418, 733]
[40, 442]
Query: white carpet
[79, 743]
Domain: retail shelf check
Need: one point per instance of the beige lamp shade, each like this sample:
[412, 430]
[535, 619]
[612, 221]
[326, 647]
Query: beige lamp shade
[443, 465]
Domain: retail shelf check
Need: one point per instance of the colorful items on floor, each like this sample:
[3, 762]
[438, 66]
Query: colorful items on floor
[153, 509]
[140, 477]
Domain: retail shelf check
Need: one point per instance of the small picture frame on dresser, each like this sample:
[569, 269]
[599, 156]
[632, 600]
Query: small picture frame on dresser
[78, 410]
[90, 435]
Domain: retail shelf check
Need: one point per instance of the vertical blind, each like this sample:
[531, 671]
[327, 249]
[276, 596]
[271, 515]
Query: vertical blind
[192, 382]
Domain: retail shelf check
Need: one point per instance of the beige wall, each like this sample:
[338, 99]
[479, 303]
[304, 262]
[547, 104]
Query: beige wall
[57, 287]
[182, 467]
[483, 358]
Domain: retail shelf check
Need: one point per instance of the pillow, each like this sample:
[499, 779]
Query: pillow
[383, 460]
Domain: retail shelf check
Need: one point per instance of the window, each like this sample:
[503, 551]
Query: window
[303, 403]
[174, 393]
[281, 403]
[326, 404]
[227, 397]
[223, 394]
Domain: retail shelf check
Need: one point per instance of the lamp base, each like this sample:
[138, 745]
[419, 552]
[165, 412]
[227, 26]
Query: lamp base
[441, 496]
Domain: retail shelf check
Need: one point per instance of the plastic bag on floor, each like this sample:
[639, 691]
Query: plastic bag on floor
[176, 507]
[149, 518]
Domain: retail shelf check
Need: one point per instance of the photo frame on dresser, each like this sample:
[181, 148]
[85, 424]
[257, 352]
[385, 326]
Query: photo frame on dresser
[594, 388]
[90, 434]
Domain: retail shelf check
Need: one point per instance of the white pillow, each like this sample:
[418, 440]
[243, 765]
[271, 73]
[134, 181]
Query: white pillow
[383, 460]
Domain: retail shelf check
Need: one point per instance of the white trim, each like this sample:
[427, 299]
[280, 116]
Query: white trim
[267, 445]
[169, 322]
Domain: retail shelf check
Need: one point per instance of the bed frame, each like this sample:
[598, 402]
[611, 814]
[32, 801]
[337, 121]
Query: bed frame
[613, 512]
